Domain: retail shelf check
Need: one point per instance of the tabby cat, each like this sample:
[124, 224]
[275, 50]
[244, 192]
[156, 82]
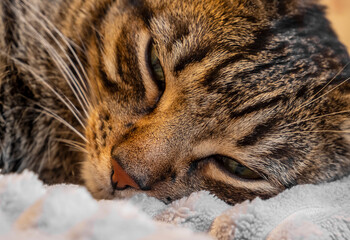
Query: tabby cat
[242, 98]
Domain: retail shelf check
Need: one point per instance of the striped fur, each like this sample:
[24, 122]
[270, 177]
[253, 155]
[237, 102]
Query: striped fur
[264, 82]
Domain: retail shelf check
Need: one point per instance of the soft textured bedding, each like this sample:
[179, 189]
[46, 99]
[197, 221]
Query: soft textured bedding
[31, 210]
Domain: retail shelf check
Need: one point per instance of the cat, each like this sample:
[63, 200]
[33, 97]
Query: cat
[242, 98]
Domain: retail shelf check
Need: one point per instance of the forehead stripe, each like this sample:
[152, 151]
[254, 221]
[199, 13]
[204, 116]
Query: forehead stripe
[194, 56]
[258, 132]
[109, 85]
[143, 11]
[259, 106]
[212, 76]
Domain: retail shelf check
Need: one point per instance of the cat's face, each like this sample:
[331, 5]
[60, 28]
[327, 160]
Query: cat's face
[214, 95]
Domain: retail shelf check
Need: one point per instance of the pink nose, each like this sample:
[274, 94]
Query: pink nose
[120, 179]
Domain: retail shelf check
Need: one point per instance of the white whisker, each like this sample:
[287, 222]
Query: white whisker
[323, 94]
[66, 102]
[67, 74]
[309, 131]
[60, 119]
[77, 145]
[313, 99]
[68, 44]
[340, 71]
[313, 118]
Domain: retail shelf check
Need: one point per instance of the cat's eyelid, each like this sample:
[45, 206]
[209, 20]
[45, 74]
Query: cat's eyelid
[227, 162]
[210, 150]
[215, 172]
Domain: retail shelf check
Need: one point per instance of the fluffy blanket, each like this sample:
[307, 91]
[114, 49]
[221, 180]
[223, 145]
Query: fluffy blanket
[31, 210]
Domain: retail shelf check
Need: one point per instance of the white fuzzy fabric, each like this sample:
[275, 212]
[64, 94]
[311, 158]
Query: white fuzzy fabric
[30, 210]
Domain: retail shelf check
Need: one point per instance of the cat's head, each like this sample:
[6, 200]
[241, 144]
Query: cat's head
[242, 98]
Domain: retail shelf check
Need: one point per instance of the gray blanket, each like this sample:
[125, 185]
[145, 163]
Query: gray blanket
[31, 210]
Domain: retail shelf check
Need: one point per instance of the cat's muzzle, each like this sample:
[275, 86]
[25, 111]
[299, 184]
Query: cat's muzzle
[120, 180]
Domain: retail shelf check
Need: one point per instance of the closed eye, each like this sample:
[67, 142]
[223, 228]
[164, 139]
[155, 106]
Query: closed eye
[155, 67]
[236, 168]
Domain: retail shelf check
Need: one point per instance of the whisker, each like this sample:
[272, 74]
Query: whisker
[68, 44]
[81, 144]
[340, 71]
[60, 119]
[324, 94]
[307, 131]
[45, 159]
[317, 117]
[77, 145]
[66, 102]
[313, 99]
[67, 74]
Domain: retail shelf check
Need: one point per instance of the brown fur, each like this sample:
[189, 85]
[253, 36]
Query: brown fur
[260, 81]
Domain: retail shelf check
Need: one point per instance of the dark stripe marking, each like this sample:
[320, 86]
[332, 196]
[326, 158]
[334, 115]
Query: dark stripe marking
[9, 20]
[262, 67]
[194, 56]
[258, 133]
[289, 22]
[143, 11]
[301, 92]
[261, 40]
[259, 106]
[108, 84]
[181, 31]
[213, 74]
[100, 14]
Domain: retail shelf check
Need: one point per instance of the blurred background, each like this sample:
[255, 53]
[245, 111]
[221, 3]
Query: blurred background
[338, 12]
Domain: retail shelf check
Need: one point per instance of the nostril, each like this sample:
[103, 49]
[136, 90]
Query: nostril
[120, 180]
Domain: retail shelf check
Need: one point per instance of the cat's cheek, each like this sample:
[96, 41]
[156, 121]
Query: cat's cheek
[94, 173]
